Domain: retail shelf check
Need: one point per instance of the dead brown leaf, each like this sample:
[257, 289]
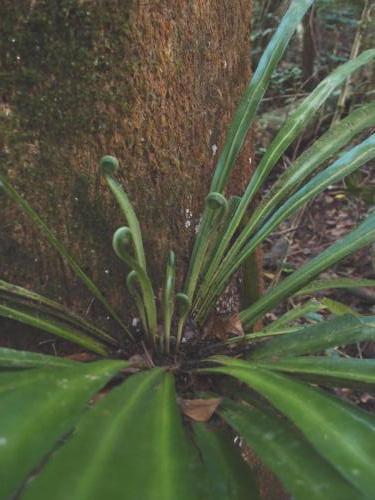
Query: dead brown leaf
[366, 397]
[138, 361]
[200, 410]
[234, 325]
[221, 327]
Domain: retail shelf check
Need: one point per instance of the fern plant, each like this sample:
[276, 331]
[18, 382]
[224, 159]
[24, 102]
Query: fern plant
[113, 427]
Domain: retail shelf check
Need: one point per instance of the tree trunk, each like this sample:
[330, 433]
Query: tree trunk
[309, 50]
[153, 83]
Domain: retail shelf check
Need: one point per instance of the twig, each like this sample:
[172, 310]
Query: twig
[148, 356]
[353, 54]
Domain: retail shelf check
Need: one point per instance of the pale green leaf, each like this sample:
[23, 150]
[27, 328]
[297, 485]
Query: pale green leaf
[9, 358]
[304, 473]
[349, 161]
[37, 408]
[18, 295]
[337, 308]
[340, 331]
[339, 369]
[131, 445]
[296, 313]
[51, 325]
[341, 433]
[230, 478]
[293, 126]
[360, 237]
[237, 132]
[326, 284]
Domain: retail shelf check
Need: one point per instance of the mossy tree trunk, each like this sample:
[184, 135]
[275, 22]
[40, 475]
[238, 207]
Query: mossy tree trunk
[153, 83]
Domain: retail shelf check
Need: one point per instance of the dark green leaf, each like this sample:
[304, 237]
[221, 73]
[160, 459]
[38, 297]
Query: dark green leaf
[10, 358]
[37, 408]
[344, 369]
[13, 294]
[54, 326]
[131, 445]
[346, 329]
[304, 473]
[340, 432]
[240, 125]
[230, 477]
[168, 301]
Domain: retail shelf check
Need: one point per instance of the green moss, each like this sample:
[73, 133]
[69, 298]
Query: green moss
[60, 63]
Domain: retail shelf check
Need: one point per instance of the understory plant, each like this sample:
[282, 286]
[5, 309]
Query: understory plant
[160, 414]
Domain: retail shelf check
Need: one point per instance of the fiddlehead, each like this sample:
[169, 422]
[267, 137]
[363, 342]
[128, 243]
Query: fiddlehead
[108, 166]
[122, 244]
[218, 203]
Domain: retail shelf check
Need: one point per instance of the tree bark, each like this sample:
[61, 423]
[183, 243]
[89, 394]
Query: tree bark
[152, 82]
[309, 51]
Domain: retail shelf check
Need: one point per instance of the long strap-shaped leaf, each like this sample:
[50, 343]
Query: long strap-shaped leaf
[261, 336]
[230, 477]
[219, 230]
[337, 308]
[24, 205]
[9, 358]
[18, 295]
[340, 432]
[360, 237]
[340, 331]
[337, 137]
[132, 282]
[183, 305]
[240, 125]
[131, 445]
[297, 312]
[37, 408]
[249, 103]
[290, 130]
[326, 368]
[304, 473]
[169, 298]
[214, 204]
[52, 325]
[326, 284]
[298, 120]
[347, 163]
